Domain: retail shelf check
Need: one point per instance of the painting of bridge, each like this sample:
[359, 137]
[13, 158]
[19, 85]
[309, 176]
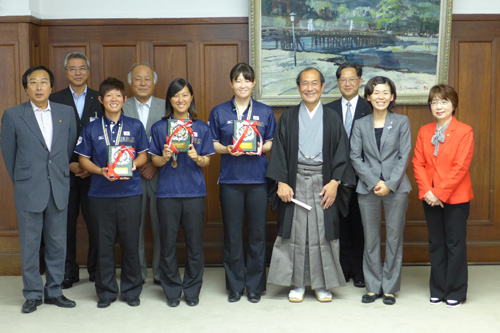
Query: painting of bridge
[405, 40]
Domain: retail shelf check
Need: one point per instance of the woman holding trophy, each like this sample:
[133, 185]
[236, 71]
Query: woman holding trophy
[243, 129]
[180, 146]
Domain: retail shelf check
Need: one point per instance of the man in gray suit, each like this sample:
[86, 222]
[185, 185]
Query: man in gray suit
[148, 109]
[37, 141]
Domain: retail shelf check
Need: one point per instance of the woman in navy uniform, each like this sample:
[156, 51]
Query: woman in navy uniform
[181, 193]
[243, 187]
[115, 202]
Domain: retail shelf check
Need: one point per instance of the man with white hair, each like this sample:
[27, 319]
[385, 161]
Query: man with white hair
[148, 109]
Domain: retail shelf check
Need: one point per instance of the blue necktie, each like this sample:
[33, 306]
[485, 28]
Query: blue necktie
[348, 120]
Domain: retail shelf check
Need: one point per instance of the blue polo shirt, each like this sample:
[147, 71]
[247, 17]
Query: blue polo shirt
[92, 144]
[245, 169]
[186, 180]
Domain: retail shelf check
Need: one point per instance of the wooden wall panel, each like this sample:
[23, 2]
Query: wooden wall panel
[171, 62]
[116, 61]
[15, 57]
[217, 63]
[473, 84]
[203, 51]
[9, 67]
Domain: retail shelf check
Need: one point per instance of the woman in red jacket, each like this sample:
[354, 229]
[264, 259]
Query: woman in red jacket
[443, 154]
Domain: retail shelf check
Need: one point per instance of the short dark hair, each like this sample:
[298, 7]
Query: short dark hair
[355, 65]
[370, 86]
[244, 69]
[111, 83]
[76, 55]
[321, 76]
[33, 69]
[445, 92]
[174, 87]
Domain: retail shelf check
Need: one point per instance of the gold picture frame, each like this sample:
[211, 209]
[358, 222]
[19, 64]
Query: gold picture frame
[277, 59]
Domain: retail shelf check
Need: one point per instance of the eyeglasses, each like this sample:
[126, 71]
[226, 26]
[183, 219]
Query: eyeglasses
[344, 81]
[73, 70]
[443, 102]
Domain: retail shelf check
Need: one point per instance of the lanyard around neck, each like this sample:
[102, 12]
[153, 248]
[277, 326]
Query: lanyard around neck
[240, 114]
[118, 136]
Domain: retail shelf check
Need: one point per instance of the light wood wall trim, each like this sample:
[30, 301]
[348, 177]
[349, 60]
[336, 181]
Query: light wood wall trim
[146, 21]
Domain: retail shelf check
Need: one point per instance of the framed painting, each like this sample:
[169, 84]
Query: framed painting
[405, 40]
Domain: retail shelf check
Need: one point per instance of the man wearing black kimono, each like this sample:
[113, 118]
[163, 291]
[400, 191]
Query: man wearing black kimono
[308, 161]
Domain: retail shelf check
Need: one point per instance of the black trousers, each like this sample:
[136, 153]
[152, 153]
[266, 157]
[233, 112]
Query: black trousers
[78, 199]
[448, 250]
[188, 213]
[117, 217]
[238, 202]
[351, 241]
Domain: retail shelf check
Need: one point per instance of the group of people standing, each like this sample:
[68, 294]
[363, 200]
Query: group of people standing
[331, 170]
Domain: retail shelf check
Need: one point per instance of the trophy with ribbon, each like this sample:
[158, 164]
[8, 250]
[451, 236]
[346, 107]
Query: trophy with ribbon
[245, 134]
[179, 136]
[120, 161]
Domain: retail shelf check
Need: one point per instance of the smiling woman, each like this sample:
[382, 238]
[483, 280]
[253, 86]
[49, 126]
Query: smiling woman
[380, 149]
[115, 201]
[181, 192]
[243, 187]
[443, 154]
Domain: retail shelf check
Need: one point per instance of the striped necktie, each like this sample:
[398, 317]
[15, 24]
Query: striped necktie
[348, 120]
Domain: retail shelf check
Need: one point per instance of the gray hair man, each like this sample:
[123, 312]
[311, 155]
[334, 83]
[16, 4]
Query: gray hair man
[148, 109]
[86, 108]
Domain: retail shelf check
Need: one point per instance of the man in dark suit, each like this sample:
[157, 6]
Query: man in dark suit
[148, 109]
[86, 108]
[37, 141]
[350, 108]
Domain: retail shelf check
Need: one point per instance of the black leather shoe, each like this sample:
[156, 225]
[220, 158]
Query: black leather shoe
[389, 299]
[68, 282]
[193, 301]
[253, 297]
[133, 301]
[234, 296]
[173, 302]
[157, 282]
[359, 283]
[60, 301]
[92, 278]
[435, 300]
[369, 298]
[105, 302]
[30, 305]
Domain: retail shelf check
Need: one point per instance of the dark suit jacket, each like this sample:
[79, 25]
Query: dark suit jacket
[362, 109]
[33, 169]
[92, 108]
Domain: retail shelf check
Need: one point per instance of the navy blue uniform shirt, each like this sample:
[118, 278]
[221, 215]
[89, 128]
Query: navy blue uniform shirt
[245, 169]
[186, 180]
[92, 144]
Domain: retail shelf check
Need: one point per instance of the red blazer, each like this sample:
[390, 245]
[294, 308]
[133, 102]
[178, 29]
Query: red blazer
[446, 175]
